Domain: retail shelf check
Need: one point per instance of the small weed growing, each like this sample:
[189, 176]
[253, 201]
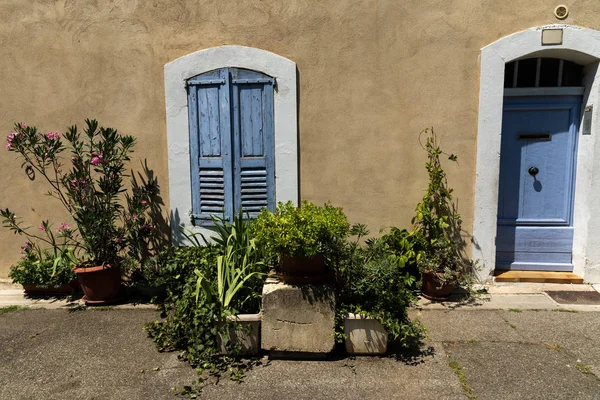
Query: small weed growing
[584, 369]
[515, 310]
[564, 310]
[4, 310]
[458, 371]
[188, 391]
[554, 346]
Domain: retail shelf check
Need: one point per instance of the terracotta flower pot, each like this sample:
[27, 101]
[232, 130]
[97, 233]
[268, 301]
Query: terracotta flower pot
[300, 270]
[100, 284]
[434, 290]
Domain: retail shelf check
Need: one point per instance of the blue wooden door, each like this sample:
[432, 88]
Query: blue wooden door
[537, 172]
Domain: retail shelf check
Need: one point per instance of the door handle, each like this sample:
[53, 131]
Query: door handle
[533, 171]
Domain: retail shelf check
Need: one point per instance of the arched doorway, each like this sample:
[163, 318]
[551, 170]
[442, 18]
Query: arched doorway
[580, 46]
[540, 124]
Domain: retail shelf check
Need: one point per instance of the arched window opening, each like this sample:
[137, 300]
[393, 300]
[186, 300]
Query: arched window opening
[542, 72]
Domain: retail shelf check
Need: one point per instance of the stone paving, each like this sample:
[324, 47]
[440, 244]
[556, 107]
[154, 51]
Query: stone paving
[477, 352]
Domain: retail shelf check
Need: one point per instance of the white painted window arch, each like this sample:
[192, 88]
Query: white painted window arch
[285, 122]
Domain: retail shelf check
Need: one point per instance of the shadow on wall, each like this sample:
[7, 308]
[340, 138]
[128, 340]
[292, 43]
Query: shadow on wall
[176, 239]
[161, 232]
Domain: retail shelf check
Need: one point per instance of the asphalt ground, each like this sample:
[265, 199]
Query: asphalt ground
[469, 353]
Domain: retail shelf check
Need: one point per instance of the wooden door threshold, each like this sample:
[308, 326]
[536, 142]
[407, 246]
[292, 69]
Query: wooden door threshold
[537, 277]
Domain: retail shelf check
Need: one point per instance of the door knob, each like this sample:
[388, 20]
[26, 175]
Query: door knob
[533, 171]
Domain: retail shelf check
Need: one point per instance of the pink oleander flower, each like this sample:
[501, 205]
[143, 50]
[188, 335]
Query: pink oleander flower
[24, 125]
[42, 228]
[97, 159]
[63, 227]
[53, 135]
[9, 140]
[134, 217]
[144, 202]
[78, 184]
[25, 247]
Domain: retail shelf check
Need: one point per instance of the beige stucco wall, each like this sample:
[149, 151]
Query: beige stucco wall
[372, 74]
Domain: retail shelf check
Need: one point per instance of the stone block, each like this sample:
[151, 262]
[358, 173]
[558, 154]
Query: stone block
[365, 336]
[245, 331]
[299, 319]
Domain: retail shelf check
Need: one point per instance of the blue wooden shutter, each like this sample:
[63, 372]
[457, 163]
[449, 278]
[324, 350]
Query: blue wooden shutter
[210, 145]
[253, 141]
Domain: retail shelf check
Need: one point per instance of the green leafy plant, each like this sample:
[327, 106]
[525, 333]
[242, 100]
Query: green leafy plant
[234, 268]
[300, 231]
[89, 186]
[42, 268]
[404, 244]
[185, 322]
[210, 281]
[437, 224]
[372, 280]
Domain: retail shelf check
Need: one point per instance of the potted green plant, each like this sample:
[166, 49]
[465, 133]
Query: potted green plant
[147, 277]
[40, 274]
[437, 230]
[239, 268]
[89, 186]
[300, 237]
[374, 289]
